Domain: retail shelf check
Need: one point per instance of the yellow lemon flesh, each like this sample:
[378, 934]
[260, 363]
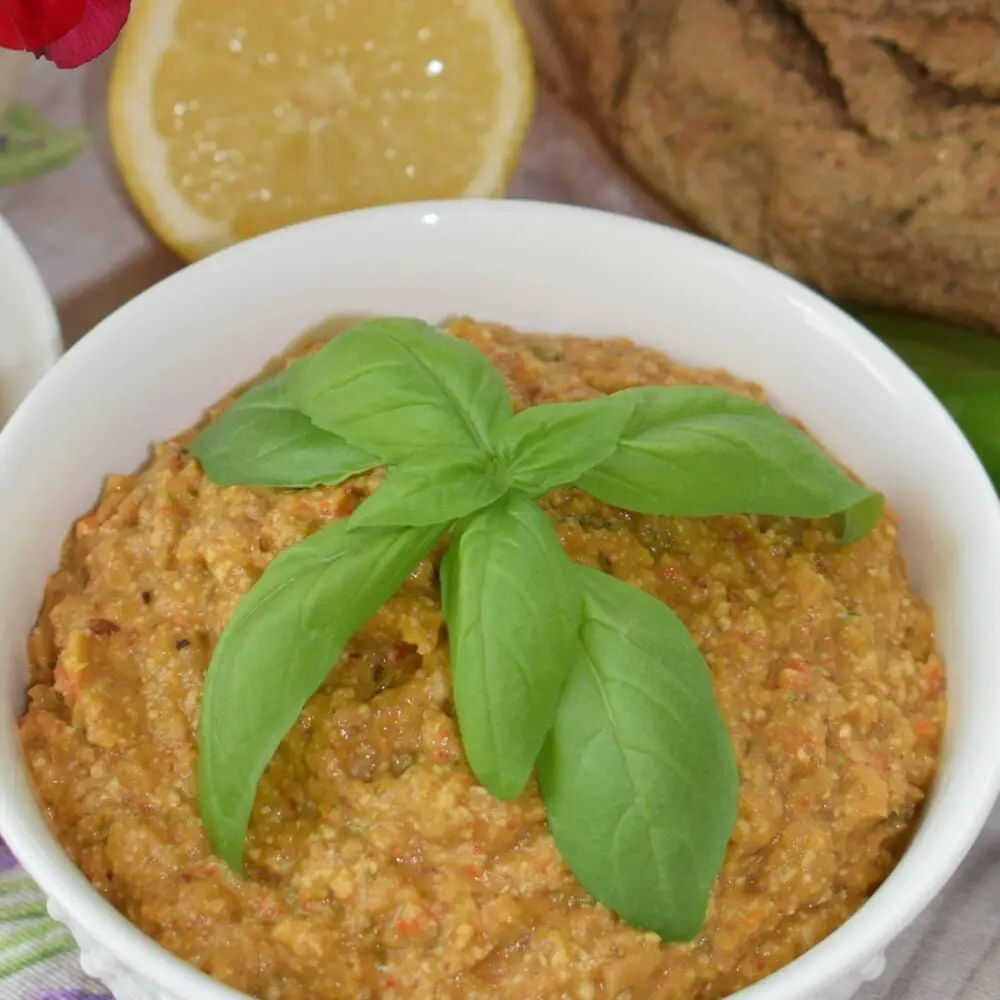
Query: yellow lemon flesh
[229, 118]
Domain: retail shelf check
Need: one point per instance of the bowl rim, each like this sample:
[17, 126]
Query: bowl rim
[891, 908]
[46, 335]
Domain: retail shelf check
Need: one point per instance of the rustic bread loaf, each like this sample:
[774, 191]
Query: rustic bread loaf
[852, 143]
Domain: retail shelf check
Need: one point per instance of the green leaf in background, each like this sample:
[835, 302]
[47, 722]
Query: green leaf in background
[960, 367]
[512, 604]
[30, 147]
[698, 452]
[263, 440]
[638, 774]
[397, 386]
[282, 640]
[555, 443]
[433, 487]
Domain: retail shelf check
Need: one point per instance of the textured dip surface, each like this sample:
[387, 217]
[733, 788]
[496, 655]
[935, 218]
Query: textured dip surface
[377, 866]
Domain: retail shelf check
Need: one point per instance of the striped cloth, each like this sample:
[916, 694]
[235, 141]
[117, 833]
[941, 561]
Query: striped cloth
[38, 959]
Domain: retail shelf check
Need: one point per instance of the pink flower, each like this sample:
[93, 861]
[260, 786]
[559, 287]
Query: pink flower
[68, 32]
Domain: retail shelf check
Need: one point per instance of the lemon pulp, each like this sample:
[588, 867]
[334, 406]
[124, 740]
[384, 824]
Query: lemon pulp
[233, 117]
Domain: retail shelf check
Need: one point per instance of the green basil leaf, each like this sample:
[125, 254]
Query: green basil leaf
[512, 605]
[263, 440]
[276, 650]
[398, 386]
[638, 773]
[698, 452]
[861, 519]
[554, 443]
[433, 487]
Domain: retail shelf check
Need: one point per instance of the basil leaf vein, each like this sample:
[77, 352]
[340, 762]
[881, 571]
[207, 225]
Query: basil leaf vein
[699, 452]
[554, 443]
[638, 774]
[263, 440]
[397, 386]
[279, 645]
[512, 605]
[433, 487]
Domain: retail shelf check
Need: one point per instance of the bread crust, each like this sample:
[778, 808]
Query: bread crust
[852, 143]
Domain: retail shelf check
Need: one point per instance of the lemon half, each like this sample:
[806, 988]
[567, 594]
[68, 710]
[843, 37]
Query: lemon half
[229, 118]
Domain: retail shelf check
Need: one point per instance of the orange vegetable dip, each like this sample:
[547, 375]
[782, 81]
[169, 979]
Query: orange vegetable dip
[378, 867]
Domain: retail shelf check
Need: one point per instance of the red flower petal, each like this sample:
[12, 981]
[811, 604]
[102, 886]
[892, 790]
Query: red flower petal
[33, 24]
[100, 25]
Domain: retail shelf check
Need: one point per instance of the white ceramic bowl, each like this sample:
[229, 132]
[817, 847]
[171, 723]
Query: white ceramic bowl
[29, 328]
[151, 368]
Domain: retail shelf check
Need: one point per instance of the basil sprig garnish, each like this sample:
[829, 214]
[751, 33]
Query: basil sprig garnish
[557, 669]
